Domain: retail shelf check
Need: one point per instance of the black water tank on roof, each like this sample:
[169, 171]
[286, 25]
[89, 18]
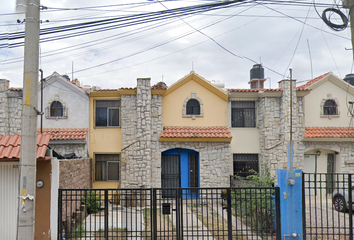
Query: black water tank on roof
[349, 78]
[257, 71]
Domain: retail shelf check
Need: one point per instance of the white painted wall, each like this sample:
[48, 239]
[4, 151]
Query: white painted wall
[9, 203]
[313, 106]
[74, 98]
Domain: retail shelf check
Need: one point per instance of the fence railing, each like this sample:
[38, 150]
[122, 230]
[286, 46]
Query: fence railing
[327, 206]
[175, 213]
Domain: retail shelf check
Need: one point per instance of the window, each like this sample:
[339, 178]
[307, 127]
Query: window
[107, 167]
[245, 162]
[107, 113]
[243, 114]
[193, 107]
[330, 108]
[56, 109]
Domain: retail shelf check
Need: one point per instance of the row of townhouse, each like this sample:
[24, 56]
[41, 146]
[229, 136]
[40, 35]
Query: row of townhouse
[194, 133]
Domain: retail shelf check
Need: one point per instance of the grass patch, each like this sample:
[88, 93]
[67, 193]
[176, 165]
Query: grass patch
[117, 233]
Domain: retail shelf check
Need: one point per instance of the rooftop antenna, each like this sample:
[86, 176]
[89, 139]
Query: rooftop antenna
[308, 46]
[192, 67]
[72, 70]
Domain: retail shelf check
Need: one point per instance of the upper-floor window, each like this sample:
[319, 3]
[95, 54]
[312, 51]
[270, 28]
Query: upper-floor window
[107, 113]
[193, 107]
[243, 114]
[56, 109]
[243, 163]
[107, 167]
[330, 108]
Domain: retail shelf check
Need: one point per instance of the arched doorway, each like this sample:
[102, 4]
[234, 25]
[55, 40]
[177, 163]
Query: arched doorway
[180, 168]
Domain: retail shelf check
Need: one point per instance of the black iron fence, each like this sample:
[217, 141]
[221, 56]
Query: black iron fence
[178, 213]
[327, 206]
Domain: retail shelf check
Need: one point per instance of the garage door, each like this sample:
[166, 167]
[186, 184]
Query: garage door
[8, 200]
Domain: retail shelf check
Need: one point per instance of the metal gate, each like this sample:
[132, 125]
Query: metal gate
[198, 213]
[327, 206]
[170, 174]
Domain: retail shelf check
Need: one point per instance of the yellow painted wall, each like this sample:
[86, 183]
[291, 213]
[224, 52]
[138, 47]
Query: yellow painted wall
[103, 140]
[313, 106]
[214, 107]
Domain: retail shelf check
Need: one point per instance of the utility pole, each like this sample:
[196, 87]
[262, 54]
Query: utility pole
[28, 159]
[351, 19]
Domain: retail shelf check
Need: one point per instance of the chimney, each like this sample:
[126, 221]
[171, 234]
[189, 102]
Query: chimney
[257, 77]
[4, 85]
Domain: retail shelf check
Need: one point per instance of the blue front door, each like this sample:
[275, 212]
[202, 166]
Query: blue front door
[188, 165]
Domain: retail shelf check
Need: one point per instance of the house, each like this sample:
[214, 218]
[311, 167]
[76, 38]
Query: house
[65, 107]
[65, 121]
[159, 136]
[259, 121]
[328, 136]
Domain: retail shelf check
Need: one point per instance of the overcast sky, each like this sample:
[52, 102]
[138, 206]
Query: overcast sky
[280, 36]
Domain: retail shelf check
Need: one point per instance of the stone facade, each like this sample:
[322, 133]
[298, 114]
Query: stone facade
[141, 150]
[274, 127]
[10, 109]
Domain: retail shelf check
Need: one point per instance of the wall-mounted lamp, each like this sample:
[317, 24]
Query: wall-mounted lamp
[318, 152]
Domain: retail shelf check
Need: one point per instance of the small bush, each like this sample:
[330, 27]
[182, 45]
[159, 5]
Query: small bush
[92, 200]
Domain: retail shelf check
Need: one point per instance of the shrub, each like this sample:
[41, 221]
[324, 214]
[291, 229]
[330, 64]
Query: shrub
[92, 200]
[256, 201]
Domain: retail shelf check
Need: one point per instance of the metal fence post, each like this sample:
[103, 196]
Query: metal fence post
[350, 207]
[154, 214]
[106, 226]
[229, 212]
[303, 207]
[60, 209]
[277, 212]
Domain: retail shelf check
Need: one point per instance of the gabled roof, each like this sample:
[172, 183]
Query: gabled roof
[309, 83]
[65, 133]
[200, 80]
[10, 146]
[329, 132]
[328, 77]
[196, 134]
[74, 84]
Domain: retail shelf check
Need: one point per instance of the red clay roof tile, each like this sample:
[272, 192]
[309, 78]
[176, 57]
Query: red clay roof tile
[10, 146]
[309, 83]
[329, 132]
[159, 85]
[256, 90]
[196, 132]
[65, 133]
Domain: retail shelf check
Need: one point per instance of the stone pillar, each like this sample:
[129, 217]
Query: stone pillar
[137, 137]
[4, 107]
[143, 108]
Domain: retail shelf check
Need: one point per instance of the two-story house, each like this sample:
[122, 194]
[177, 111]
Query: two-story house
[155, 136]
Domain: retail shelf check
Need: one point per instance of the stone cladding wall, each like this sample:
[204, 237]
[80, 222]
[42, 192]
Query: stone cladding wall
[10, 109]
[274, 127]
[215, 162]
[137, 136]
